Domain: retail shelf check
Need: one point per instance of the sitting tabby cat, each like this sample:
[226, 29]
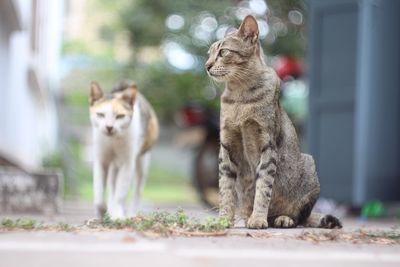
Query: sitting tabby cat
[260, 163]
[124, 129]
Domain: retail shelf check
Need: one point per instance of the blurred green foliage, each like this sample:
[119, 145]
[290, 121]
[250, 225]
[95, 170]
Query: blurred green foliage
[74, 47]
[53, 160]
[166, 87]
[145, 20]
[288, 38]
[162, 186]
[168, 90]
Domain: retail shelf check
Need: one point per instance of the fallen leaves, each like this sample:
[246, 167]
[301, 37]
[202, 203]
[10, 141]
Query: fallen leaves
[358, 237]
[361, 236]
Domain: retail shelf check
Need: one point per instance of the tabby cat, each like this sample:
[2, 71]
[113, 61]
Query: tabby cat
[124, 129]
[260, 163]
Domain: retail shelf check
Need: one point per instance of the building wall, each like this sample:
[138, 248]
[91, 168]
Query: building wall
[29, 81]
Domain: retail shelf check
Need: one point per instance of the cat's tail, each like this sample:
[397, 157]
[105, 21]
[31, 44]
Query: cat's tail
[319, 220]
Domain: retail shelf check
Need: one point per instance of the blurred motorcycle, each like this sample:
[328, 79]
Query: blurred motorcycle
[201, 131]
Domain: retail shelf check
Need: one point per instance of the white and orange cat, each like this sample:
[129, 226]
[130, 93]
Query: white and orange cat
[124, 129]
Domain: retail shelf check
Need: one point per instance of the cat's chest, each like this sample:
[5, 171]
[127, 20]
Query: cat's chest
[114, 149]
[237, 113]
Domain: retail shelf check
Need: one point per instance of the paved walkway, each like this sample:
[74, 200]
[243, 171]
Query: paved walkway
[241, 247]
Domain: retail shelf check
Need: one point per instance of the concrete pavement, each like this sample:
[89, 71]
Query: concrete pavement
[283, 247]
[120, 248]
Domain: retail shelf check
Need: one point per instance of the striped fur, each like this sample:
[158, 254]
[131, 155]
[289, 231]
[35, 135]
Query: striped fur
[261, 167]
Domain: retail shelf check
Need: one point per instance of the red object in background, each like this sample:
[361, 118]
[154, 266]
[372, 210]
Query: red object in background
[193, 115]
[288, 66]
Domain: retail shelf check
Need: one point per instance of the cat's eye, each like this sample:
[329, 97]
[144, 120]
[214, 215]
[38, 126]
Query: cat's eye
[223, 52]
[120, 116]
[100, 115]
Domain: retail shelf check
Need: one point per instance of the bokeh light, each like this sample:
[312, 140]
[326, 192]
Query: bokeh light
[178, 57]
[175, 22]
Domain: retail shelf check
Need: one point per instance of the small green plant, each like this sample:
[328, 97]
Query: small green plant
[166, 223]
[181, 218]
[162, 223]
[30, 224]
[7, 223]
[214, 224]
[27, 224]
[53, 160]
[23, 223]
[65, 227]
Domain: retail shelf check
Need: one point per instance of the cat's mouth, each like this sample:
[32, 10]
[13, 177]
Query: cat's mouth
[109, 133]
[218, 76]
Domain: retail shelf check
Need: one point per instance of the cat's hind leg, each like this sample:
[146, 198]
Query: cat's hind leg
[306, 217]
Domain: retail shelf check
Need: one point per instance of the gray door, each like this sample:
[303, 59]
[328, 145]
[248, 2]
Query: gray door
[332, 72]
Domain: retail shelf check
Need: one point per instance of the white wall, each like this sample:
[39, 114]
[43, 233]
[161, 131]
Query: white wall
[28, 119]
[3, 75]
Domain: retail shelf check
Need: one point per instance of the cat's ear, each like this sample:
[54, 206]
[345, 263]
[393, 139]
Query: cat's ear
[95, 92]
[249, 29]
[230, 30]
[129, 95]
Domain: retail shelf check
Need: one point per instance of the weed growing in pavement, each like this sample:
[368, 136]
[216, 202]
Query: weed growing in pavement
[165, 223]
[23, 223]
[159, 223]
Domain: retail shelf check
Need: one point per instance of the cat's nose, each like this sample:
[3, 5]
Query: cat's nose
[208, 65]
[109, 129]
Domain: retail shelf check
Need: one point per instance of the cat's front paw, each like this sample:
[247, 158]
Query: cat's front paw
[117, 213]
[284, 222]
[257, 222]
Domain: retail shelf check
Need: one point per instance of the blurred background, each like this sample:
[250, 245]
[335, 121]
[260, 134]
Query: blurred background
[338, 60]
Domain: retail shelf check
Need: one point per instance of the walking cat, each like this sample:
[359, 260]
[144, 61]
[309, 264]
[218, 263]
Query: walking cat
[260, 163]
[124, 129]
